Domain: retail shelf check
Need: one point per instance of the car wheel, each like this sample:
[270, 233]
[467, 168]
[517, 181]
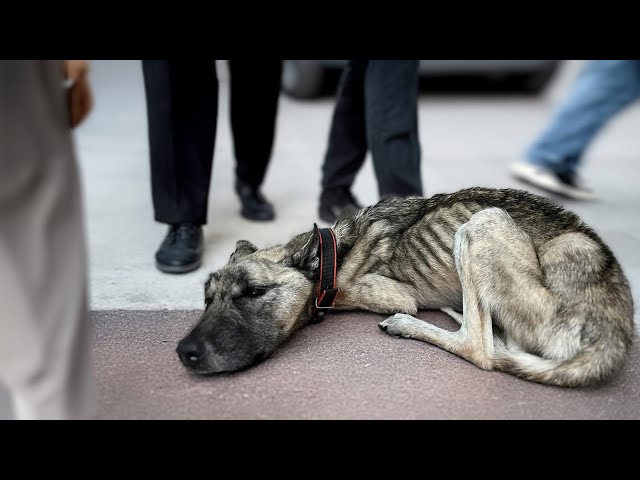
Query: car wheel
[303, 78]
[535, 82]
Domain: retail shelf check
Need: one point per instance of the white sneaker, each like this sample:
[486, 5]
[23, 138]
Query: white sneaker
[568, 186]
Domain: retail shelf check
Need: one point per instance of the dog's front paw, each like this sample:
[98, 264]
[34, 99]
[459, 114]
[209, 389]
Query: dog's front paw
[399, 325]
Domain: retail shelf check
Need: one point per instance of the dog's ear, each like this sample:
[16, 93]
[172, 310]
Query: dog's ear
[306, 258]
[212, 276]
[207, 284]
[243, 247]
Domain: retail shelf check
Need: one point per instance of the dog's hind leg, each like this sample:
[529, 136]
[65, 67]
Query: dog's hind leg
[453, 314]
[473, 341]
[495, 260]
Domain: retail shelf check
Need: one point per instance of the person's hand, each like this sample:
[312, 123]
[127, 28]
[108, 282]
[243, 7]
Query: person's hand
[76, 72]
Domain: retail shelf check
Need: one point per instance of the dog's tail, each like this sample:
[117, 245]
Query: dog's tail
[589, 366]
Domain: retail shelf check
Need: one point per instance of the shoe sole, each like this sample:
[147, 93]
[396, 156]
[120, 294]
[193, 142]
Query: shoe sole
[327, 217]
[178, 268]
[528, 175]
[250, 216]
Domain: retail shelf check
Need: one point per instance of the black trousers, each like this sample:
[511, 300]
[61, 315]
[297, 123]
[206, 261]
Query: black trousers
[377, 110]
[182, 109]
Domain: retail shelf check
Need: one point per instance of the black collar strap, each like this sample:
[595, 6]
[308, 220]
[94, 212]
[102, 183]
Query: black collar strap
[327, 288]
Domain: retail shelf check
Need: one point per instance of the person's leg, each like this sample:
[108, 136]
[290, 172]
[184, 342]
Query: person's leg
[182, 109]
[346, 147]
[45, 345]
[254, 94]
[602, 89]
[391, 101]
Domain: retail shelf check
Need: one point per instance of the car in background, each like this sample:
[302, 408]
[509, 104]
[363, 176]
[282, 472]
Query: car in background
[306, 79]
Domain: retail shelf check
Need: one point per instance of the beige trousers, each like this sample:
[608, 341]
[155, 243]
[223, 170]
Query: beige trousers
[45, 338]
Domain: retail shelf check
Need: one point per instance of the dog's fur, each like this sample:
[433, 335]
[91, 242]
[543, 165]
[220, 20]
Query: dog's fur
[542, 296]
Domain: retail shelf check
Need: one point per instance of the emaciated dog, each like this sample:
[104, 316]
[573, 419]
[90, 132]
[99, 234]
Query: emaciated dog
[541, 295]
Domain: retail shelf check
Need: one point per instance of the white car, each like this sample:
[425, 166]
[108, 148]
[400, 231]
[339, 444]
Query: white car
[311, 78]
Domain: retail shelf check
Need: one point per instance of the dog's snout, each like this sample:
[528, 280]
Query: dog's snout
[190, 352]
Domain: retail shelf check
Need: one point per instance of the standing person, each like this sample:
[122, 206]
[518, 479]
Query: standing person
[45, 356]
[182, 110]
[602, 90]
[377, 110]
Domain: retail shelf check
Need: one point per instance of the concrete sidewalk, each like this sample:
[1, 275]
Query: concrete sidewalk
[344, 367]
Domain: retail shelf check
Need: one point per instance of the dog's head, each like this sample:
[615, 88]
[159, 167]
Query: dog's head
[252, 305]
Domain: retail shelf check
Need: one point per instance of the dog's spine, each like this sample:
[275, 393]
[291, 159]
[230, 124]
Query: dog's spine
[588, 367]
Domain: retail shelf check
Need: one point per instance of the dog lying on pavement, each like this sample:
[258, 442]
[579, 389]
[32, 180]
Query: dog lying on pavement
[542, 297]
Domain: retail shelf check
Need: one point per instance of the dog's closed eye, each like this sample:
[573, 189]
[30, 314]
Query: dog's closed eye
[253, 292]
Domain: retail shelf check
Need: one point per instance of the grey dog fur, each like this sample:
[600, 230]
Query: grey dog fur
[541, 295]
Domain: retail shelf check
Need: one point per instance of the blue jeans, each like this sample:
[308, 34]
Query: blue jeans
[602, 89]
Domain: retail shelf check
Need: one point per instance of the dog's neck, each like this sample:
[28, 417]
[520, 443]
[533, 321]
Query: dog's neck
[326, 284]
[363, 247]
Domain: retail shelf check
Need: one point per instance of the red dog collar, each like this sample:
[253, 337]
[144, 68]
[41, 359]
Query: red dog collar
[327, 289]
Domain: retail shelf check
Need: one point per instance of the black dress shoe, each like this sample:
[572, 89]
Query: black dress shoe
[181, 250]
[337, 204]
[254, 205]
